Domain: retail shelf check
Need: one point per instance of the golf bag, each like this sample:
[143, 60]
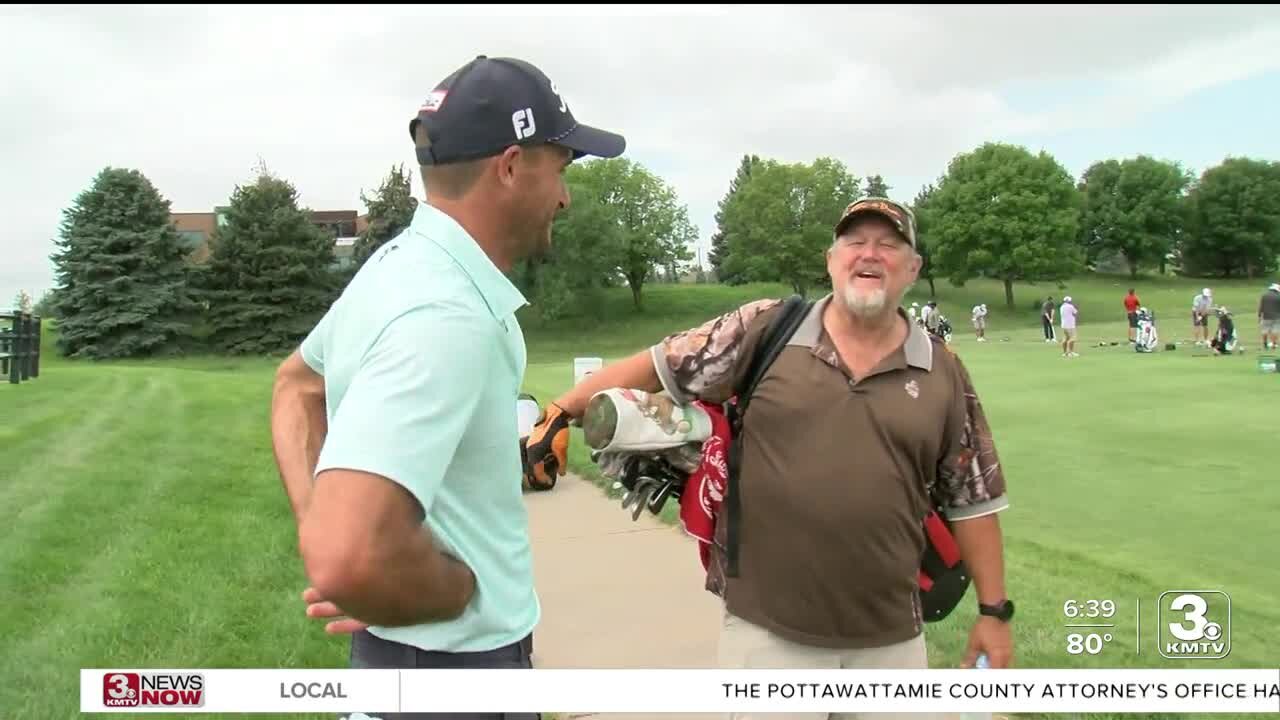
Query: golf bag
[1146, 339]
[1224, 340]
[655, 467]
[941, 326]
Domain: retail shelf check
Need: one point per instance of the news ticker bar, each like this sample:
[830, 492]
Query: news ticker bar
[384, 691]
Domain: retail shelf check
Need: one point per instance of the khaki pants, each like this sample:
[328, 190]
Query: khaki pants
[744, 645]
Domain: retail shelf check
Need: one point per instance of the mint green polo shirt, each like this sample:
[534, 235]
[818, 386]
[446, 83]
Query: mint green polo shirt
[422, 360]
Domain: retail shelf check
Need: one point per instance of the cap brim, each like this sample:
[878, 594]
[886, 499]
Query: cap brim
[587, 140]
[847, 220]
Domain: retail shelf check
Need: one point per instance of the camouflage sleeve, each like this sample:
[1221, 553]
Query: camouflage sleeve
[702, 363]
[970, 478]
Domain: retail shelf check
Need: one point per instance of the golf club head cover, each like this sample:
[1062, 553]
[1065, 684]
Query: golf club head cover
[635, 421]
[546, 449]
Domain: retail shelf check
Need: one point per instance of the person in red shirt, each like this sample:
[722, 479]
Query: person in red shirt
[1131, 305]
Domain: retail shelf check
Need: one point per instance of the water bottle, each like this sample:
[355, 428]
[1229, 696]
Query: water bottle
[982, 663]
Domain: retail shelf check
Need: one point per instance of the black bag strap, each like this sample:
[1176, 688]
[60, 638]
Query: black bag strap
[779, 332]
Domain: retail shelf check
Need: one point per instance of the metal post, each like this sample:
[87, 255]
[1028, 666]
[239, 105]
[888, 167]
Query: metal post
[35, 349]
[15, 350]
[25, 360]
[4, 347]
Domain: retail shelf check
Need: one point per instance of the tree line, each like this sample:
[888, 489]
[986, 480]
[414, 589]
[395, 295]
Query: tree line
[127, 286]
[1003, 212]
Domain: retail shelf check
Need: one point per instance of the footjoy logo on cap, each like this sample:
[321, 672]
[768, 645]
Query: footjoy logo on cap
[522, 121]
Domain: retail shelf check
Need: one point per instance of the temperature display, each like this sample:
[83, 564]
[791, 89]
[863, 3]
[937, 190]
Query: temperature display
[1087, 644]
[1090, 625]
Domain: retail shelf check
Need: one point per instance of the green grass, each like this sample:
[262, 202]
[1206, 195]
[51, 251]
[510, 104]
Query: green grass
[145, 525]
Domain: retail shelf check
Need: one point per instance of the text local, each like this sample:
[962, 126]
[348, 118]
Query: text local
[312, 690]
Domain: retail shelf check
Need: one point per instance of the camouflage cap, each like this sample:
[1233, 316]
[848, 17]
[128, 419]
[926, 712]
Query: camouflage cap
[897, 213]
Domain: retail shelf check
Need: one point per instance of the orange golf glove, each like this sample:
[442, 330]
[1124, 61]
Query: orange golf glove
[546, 449]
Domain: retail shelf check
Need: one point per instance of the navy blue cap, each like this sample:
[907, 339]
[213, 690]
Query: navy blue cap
[490, 104]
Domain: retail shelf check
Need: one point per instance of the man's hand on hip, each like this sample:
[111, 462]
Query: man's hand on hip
[993, 637]
[318, 607]
[546, 449]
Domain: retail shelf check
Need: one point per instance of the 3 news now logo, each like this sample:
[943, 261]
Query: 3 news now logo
[1194, 624]
[126, 689]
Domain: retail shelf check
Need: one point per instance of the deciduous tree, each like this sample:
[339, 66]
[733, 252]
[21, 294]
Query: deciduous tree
[1133, 207]
[1004, 212]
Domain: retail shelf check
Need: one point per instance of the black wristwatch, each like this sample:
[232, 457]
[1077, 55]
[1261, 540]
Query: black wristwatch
[1002, 611]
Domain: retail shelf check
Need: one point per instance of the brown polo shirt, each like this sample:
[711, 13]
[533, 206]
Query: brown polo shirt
[837, 473]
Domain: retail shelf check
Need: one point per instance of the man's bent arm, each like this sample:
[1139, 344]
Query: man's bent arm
[298, 426]
[636, 372]
[365, 550]
[981, 546]
[706, 355]
[389, 448]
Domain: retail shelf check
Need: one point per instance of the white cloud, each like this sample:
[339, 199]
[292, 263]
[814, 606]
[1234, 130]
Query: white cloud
[193, 96]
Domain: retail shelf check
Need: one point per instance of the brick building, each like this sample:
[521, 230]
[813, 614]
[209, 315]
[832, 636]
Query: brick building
[344, 226]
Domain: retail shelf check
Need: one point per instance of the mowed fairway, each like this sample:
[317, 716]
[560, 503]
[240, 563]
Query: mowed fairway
[145, 525]
[143, 528]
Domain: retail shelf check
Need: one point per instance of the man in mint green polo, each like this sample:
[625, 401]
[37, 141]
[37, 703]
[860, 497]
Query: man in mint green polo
[394, 425]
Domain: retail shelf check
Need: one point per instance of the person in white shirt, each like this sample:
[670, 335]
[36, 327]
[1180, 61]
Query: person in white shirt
[1201, 309]
[1068, 313]
[925, 312]
[980, 321]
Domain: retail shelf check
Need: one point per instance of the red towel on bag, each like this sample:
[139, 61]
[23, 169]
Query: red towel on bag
[705, 488]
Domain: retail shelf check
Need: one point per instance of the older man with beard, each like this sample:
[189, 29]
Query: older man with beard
[861, 425]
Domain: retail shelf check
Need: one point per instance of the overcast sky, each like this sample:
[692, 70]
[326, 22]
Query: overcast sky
[194, 96]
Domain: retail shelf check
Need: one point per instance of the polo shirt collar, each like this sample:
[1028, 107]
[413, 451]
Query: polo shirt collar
[917, 350]
[499, 293]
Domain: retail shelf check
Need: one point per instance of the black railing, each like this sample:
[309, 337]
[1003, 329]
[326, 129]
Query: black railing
[19, 346]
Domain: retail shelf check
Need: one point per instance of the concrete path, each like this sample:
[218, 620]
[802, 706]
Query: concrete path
[598, 571]
[594, 566]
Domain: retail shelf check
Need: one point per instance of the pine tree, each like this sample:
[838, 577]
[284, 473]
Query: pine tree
[269, 277]
[875, 187]
[390, 211]
[720, 241]
[121, 271]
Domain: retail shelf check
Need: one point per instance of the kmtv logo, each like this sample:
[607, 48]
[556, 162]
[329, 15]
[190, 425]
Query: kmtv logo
[125, 689]
[1194, 624]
